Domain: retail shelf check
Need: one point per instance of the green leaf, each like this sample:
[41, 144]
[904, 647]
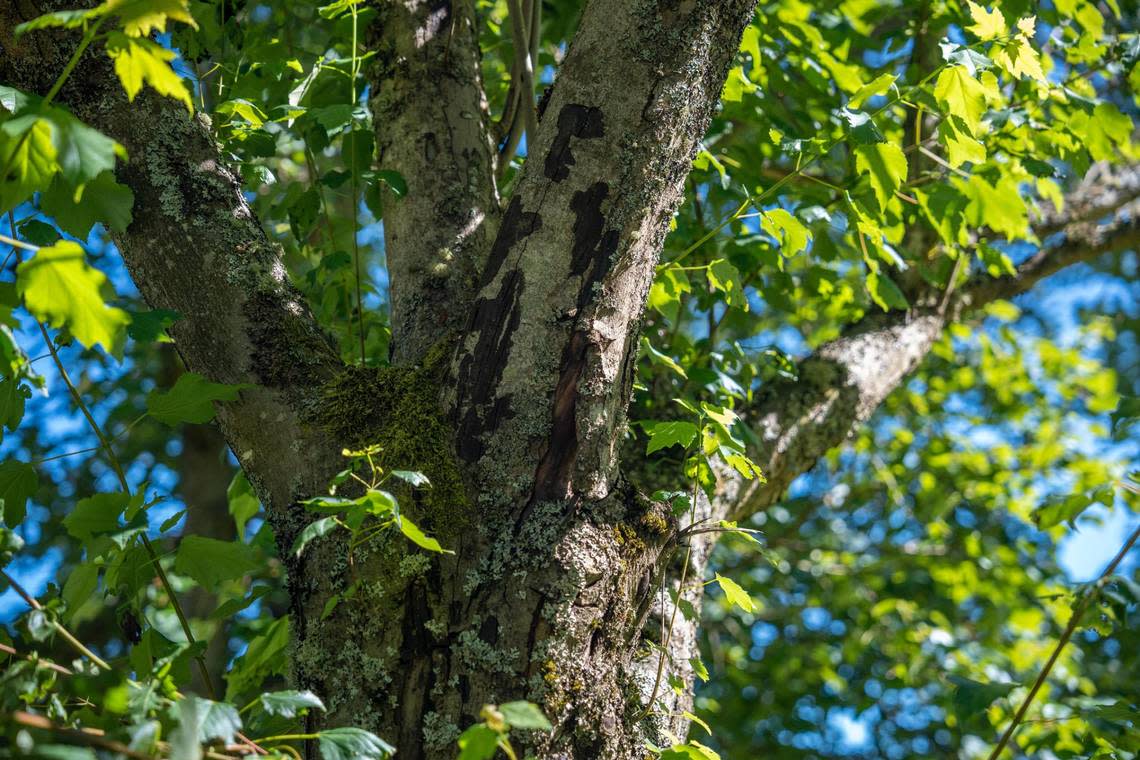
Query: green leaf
[1000, 207]
[27, 158]
[211, 562]
[171, 521]
[726, 278]
[414, 479]
[524, 715]
[885, 165]
[313, 530]
[288, 704]
[265, 656]
[80, 586]
[18, 483]
[243, 502]
[233, 606]
[790, 232]
[139, 61]
[694, 750]
[190, 400]
[657, 357]
[876, 86]
[151, 326]
[13, 398]
[972, 698]
[735, 595]
[96, 514]
[1106, 131]
[104, 200]
[885, 293]
[1058, 509]
[699, 669]
[82, 153]
[352, 744]
[665, 434]
[68, 19]
[962, 96]
[418, 537]
[861, 128]
[212, 720]
[478, 742]
[59, 288]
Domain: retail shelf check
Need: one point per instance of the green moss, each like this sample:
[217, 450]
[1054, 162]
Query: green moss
[398, 408]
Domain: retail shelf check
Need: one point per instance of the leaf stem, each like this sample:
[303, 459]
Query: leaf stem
[88, 38]
[1070, 629]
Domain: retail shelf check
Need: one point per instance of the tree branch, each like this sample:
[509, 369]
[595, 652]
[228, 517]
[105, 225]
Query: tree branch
[841, 385]
[433, 127]
[544, 372]
[194, 246]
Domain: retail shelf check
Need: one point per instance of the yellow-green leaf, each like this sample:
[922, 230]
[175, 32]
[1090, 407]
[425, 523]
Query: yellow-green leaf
[885, 166]
[876, 86]
[735, 595]
[141, 17]
[960, 146]
[139, 61]
[961, 95]
[987, 24]
[59, 287]
[27, 158]
[789, 231]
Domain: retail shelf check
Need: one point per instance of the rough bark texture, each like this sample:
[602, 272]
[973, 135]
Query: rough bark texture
[559, 563]
[431, 124]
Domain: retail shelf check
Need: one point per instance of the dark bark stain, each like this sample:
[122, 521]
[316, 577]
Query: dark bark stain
[593, 246]
[516, 225]
[415, 655]
[583, 122]
[489, 630]
[495, 320]
[590, 258]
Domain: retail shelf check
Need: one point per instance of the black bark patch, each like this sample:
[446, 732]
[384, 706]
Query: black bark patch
[583, 122]
[590, 258]
[517, 224]
[489, 631]
[495, 321]
[594, 246]
[554, 472]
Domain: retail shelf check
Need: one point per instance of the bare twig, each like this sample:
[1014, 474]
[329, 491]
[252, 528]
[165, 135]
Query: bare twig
[1070, 629]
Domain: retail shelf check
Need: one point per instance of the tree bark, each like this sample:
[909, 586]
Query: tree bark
[432, 127]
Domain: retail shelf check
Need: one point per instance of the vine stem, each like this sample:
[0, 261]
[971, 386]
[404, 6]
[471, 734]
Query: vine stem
[72, 62]
[105, 444]
[1070, 629]
[75, 643]
[673, 616]
[355, 190]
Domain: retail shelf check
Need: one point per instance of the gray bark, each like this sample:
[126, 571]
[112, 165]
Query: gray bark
[432, 126]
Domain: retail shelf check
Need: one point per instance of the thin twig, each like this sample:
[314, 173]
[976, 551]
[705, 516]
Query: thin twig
[1070, 629]
[76, 644]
